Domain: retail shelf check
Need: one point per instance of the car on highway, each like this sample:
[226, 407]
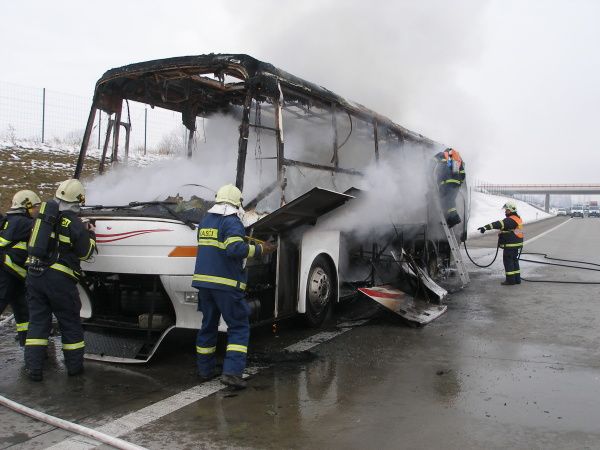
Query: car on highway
[577, 211]
[594, 211]
[561, 212]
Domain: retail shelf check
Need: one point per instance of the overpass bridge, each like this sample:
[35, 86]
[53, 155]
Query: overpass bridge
[544, 189]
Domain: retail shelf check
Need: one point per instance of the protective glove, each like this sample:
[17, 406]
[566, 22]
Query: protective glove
[268, 247]
[481, 230]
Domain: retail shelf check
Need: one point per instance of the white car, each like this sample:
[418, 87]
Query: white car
[561, 212]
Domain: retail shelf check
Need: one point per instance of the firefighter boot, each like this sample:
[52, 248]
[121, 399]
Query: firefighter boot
[233, 381]
[73, 361]
[510, 281]
[209, 376]
[35, 375]
[453, 219]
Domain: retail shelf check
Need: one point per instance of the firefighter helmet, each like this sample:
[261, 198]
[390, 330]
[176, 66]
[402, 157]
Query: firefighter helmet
[510, 206]
[25, 199]
[229, 194]
[71, 191]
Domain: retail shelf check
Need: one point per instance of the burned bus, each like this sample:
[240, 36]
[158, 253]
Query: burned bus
[344, 192]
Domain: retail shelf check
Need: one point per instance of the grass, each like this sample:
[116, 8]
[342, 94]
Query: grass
[38, 171]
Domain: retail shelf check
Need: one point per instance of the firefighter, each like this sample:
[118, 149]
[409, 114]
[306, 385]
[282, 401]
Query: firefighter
[510, 239]
[221, 280]
[451, 174]
[52, 281]
[14, 234]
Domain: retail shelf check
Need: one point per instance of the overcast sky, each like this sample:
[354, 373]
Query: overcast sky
[513, 84]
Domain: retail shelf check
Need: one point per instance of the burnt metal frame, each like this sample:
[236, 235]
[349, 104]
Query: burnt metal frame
[259, 81]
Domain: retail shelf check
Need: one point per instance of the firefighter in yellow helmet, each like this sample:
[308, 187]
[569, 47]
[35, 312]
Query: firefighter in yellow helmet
[55, 252]
[15, 230]
[221, 281]
[510, 239]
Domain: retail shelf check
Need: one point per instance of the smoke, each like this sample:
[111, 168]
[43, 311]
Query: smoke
[393, 192]
[407, 60]
[213, 164]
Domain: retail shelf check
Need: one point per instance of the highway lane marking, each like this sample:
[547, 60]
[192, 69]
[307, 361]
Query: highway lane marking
[529, 241]
[132, 421]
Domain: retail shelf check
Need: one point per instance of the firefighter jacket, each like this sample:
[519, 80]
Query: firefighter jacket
[511, 231]
[14, 235]
[75, 243]
[445, 173]
[221, 253]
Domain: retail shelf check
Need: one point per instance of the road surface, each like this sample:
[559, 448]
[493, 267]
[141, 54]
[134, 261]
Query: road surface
[506, 367]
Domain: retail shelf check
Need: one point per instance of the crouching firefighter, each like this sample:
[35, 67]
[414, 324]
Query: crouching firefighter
[510, 239]
[14, 234]
[221, 279]
[451, 174]
[59, 241]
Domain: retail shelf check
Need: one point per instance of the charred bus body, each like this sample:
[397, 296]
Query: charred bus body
[305, 197]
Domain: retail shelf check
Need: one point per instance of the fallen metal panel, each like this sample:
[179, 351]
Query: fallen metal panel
[404, 305]
[109, 348]
[305, 209]
[418, 273]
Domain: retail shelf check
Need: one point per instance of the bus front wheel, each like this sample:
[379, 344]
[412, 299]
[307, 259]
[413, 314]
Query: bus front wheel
[321, 288]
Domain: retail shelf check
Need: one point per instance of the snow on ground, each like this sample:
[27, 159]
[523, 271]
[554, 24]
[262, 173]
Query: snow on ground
[487, 208]
[62, 148]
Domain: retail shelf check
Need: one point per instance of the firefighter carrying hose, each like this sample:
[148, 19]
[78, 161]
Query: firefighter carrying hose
[14, 234]
[59, 241]
[221, 281]
[510, 239]
[450, 176]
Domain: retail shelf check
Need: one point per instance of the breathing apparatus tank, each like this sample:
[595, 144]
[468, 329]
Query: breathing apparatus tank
[42, 243]
[453, 164]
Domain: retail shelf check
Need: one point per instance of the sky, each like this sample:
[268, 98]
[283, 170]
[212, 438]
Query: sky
[512, 84]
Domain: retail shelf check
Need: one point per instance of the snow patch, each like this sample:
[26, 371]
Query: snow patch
[487, 208]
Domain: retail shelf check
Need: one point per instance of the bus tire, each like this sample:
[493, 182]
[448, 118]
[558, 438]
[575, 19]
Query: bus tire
[321, 288]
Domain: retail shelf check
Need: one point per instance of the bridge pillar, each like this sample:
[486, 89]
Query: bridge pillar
[547, 202]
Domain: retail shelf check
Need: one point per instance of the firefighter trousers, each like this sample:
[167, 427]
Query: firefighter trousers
[12, 292]
[53, 293]
[510, 258]
[231, 304]
[448, 194]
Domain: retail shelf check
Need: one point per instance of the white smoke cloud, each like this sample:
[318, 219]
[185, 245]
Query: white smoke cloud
[403, 59]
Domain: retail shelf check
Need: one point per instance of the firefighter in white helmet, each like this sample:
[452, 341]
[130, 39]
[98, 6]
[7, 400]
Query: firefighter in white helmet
[221, 282]
[52, 280]
[510, 239]
[15, 230]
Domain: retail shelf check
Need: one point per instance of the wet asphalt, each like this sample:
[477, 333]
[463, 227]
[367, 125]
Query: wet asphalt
[505, 367]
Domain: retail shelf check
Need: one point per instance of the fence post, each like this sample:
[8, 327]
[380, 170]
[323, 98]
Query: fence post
[43, 112]
[145, 128]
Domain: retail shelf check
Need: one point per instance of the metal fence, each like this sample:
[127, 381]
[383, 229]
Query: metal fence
[49, 117]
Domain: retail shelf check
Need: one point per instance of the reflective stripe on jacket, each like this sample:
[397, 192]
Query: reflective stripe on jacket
[221, 252]
[13, 243]
[75, 244]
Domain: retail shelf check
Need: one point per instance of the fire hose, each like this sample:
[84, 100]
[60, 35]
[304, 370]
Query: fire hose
[545, 255]
[7, 320]
[69, 426]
